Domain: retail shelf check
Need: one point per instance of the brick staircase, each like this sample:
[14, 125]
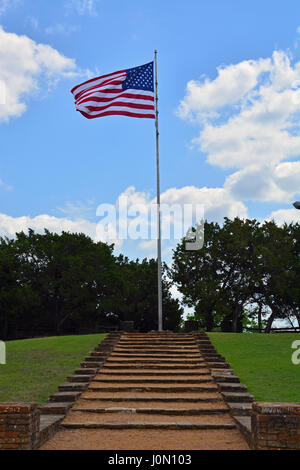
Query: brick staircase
[153, 391]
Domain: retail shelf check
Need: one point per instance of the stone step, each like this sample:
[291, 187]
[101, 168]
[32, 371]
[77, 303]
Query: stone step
[80, 378]
[202, 405]
[99, 354]
[157, 425]
[95, 359]
[110, 341]
[162, 338]
[209, 359]
[155, 338]
[152, 380]
[91, 364]
[147, 397]
[222, 371]
[73, 386]
[151, 347]
[219, 364]
[153, 342]
[86, 370]
[240, 409]
[147, 362]
[55, 408]
[134, 356]
[105, 347]
[155, 411]
[47, 421]
[158, 334]
[163, 352]
[155, 351]
[64, 396]
[244, 425]
[232, 387]
[207, 350]
[49, 425]
[222, 378]
[109, 365]
[231, 397]
[176, 388]
[152, 372]
[205, 347]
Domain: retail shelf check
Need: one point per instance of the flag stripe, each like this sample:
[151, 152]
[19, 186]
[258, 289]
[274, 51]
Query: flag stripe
[118, 103]
[114, 113]
[126, 92]
[94, 81]
[116, 88]
[124, 97]
[105, 85]
[142, 95]
[105, 93]
[115, 108]
[101, 84]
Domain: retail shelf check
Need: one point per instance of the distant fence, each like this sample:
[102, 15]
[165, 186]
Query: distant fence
[295, 329]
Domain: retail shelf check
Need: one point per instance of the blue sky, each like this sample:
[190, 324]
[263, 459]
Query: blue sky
[229, 100]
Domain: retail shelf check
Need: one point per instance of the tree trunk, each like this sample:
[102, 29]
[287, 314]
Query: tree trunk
[235, 319]
[259, 316]
[270, 322]
[236, 322]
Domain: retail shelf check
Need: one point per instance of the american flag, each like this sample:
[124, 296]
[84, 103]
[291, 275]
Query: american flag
[128, 92]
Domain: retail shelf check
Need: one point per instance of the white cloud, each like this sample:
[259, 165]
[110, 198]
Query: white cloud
[231, 85]
[5, 186]
[249, 120]
[32, 22]
[278, 183]
[285, 216]
[78, 210]
[218, 202]
[23, 63]
[83, 7]
[9, 226]
[6, 4]
[148, 245]
[61, 28]
[263, 128]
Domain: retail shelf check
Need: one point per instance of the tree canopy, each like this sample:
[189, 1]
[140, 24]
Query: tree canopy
[54, 284]
[245, 269]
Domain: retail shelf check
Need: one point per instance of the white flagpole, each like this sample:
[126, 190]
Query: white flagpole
[159, 271]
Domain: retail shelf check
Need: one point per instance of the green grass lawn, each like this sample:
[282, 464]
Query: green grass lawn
[36, 367]
[263, 363]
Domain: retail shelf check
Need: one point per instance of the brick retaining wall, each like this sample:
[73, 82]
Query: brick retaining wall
[19, 425]
[276, 426]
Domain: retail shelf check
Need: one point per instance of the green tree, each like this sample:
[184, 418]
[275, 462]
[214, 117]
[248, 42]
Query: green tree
[138, 301]
[73, 276]
[242, 265]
